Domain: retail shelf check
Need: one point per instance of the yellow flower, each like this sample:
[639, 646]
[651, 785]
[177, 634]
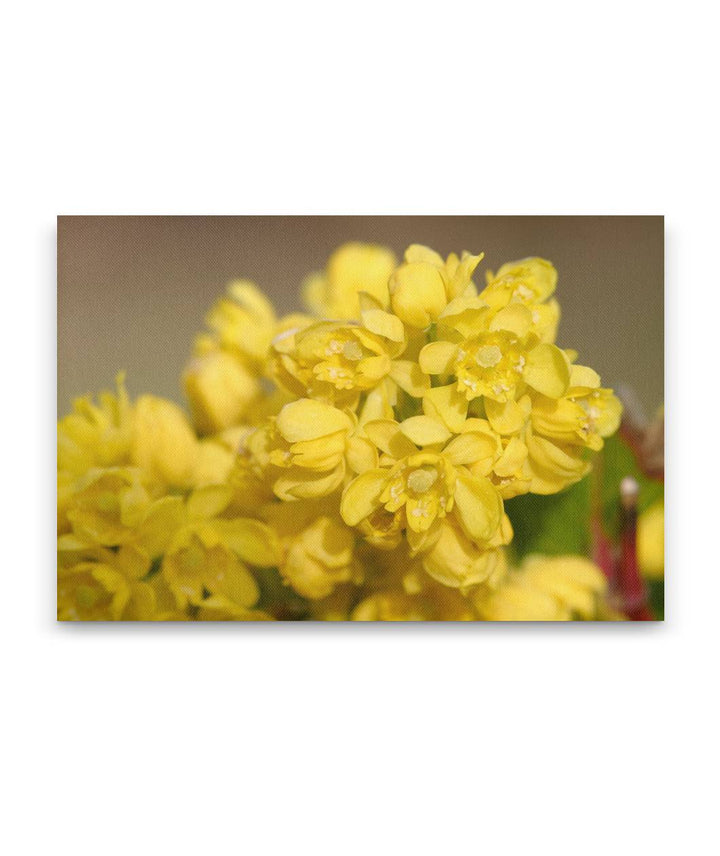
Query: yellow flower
[207, 556]
[424, 485]
[303, 453]
[547, 588]
[352, 268]
[530, 282]
[164, 444]
[244, 322]
[553, 465]
[337, 363]
[198, 562]
[223, 379]
[317, 548]
[108, 505]
[495, 356]
[102, 585]
[423, 285]
[96, 435]
[220, 389]
[651, 541]
[583, 416]
[457, 561]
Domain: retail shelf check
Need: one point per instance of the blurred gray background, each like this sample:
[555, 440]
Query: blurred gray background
[132, 291]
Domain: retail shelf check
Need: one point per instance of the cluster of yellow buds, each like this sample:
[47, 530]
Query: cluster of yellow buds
[352, 461]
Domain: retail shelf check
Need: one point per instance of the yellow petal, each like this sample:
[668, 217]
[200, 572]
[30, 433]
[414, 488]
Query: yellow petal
[515, 318]
[297, 483]
[471, 447]
[512, 458]
[547, 370]
[508, 417]
[362, 496]
[307, 419]
[421, 253]
[387, 436]
[424, 430]
[383, 324]
[418, 294]
[478, 506]
[584, 377]
[448, 405]
[361, 455]
[410, 378]
[253, 541]
[438, 357]
[209, 501]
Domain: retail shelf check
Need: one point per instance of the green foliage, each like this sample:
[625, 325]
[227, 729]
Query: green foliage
[615, 462]
[559, 524]
[552, 525]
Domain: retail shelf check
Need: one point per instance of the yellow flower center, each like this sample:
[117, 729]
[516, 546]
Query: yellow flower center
[421, 480]
[424, 484]
[488, 356]
[491, 365]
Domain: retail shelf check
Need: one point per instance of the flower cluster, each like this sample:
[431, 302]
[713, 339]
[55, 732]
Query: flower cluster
[352, 461]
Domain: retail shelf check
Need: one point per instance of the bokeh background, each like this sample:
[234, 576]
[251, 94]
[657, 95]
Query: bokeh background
[133, 291]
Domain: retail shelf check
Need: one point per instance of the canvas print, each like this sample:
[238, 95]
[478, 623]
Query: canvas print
[360, 419]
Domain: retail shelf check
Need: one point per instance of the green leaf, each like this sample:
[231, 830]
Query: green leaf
[551, 525]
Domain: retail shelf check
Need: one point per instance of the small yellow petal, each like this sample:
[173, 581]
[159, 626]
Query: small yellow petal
[547, 370]
[253, 541]
[584, 377]
[383, 324]
[438, 357]
[387, 436]
[418, 294]
[361, 454]
[515, 318]
[448, 405]
[478, 506]
[424, 430]
[362, 496]
[307, 420]
[410, 378]
[508, 417]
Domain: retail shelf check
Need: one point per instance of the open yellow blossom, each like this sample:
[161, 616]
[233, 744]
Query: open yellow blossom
[108, 506]
[424, 477]
[208, 554]
[337, 363]
[316, 547]
[352, 268]
[531, 282]
[493, 356]
[96, 435]
[104, 585]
